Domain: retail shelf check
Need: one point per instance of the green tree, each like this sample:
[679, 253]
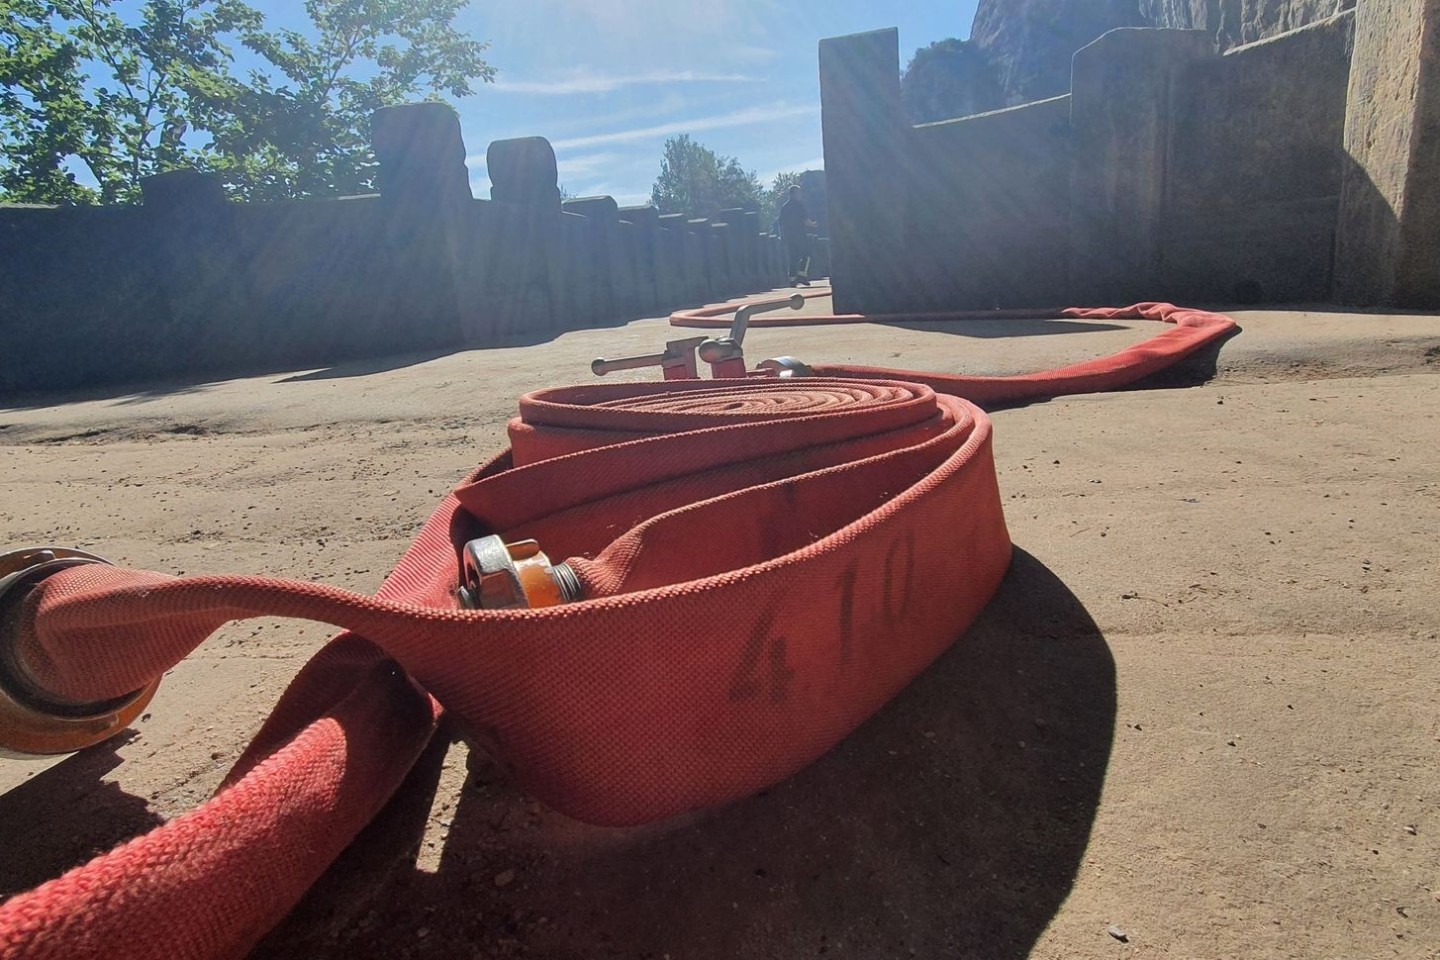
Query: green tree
[116, 87]
[697, 181]
[79, 81]
[306, 132]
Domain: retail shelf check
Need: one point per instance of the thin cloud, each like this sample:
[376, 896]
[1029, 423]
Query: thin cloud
[768, 177]
[753, 53]
[750, 116]
[587, 164]
[600, 83]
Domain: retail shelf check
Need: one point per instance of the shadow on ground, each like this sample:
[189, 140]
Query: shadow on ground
[951, 824]
[65, 815]
[133, 392]
[1007, 327]
[366, 367]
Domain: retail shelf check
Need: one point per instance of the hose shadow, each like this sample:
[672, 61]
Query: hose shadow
[952, 823]
[983, 328]
[66, 814]
[1197, 369]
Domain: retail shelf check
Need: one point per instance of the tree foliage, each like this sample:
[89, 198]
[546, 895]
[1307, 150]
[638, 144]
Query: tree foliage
[697, 181]
[949, 78]
[125, 89]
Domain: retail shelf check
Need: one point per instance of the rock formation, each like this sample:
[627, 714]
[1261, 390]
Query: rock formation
[1029, 43]
[1020, 50]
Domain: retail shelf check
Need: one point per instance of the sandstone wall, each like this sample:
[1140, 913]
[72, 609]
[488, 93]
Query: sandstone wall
[1236, 22]
[1389, 242]
[1024, 48]
[1301, 168]
[1255, 167]
[188, 284]
[1001, 229]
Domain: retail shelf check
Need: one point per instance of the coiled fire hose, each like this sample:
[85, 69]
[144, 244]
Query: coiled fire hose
[757, 564]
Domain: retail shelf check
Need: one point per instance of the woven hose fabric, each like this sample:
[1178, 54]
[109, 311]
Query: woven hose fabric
[765, 563]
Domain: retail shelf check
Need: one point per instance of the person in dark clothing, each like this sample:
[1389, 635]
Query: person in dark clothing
[794, 220]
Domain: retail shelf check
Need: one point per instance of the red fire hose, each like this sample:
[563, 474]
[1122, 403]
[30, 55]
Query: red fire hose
[756, 566]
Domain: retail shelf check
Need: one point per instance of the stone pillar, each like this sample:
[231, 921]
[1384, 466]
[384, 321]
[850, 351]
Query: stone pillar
[645, 236]
[424, 197]
[734, 236]
[200, 308]
[710, 257]
[582, 282]
[617, 269]
[867, 167]
[182, 191]
[685, 246]
[1120, 120]
[1388, 239]
[743, 246]
[421, 154]
[724, 274]
[523, 171]
[528, 281]
[752, 250]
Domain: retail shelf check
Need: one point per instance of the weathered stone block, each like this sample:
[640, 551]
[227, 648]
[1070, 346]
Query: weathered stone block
[523, 171]
[991, 222]
[1120, 116]
[1388, 240]
[520, 251]
[645, 236]
[421, 154]
[1254, 170]
[867, 168]
[177, 191]
[685, 247]
[617, 266]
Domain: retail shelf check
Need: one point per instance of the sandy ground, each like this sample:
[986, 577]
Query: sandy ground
[1203, 709]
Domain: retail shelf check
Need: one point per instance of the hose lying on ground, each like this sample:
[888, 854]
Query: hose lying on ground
[754, 567]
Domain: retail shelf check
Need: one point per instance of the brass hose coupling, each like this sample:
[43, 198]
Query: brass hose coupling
[33, 721]
[513, 576]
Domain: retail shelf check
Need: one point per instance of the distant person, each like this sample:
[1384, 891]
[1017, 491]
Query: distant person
[794, 223]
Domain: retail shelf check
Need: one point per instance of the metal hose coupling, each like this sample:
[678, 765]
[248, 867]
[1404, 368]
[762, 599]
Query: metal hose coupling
[33, 721]
[513, 576]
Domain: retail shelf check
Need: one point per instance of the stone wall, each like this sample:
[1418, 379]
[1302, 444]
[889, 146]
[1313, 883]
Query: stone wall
[1233, 23]
[1020, 50]
[187, 283]
[996, 238]
[1387, 248]
[1301, 168]
[1255, 166]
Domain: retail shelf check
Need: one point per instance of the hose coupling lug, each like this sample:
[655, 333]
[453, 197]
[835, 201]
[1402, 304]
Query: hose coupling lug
[785, 367]
[513, 576]
[34, 722]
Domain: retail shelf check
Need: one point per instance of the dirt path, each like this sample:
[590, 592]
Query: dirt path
[1203, 708]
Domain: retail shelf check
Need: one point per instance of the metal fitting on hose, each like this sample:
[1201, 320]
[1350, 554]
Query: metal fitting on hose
[33, 721]
[514, 576]
[785, 367]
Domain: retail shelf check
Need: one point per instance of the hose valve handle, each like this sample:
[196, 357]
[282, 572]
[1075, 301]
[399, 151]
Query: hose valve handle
[676, 363]
[33, 721]
[732, 345]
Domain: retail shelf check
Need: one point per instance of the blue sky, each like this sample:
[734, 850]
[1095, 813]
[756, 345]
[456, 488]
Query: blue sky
[607, 81]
